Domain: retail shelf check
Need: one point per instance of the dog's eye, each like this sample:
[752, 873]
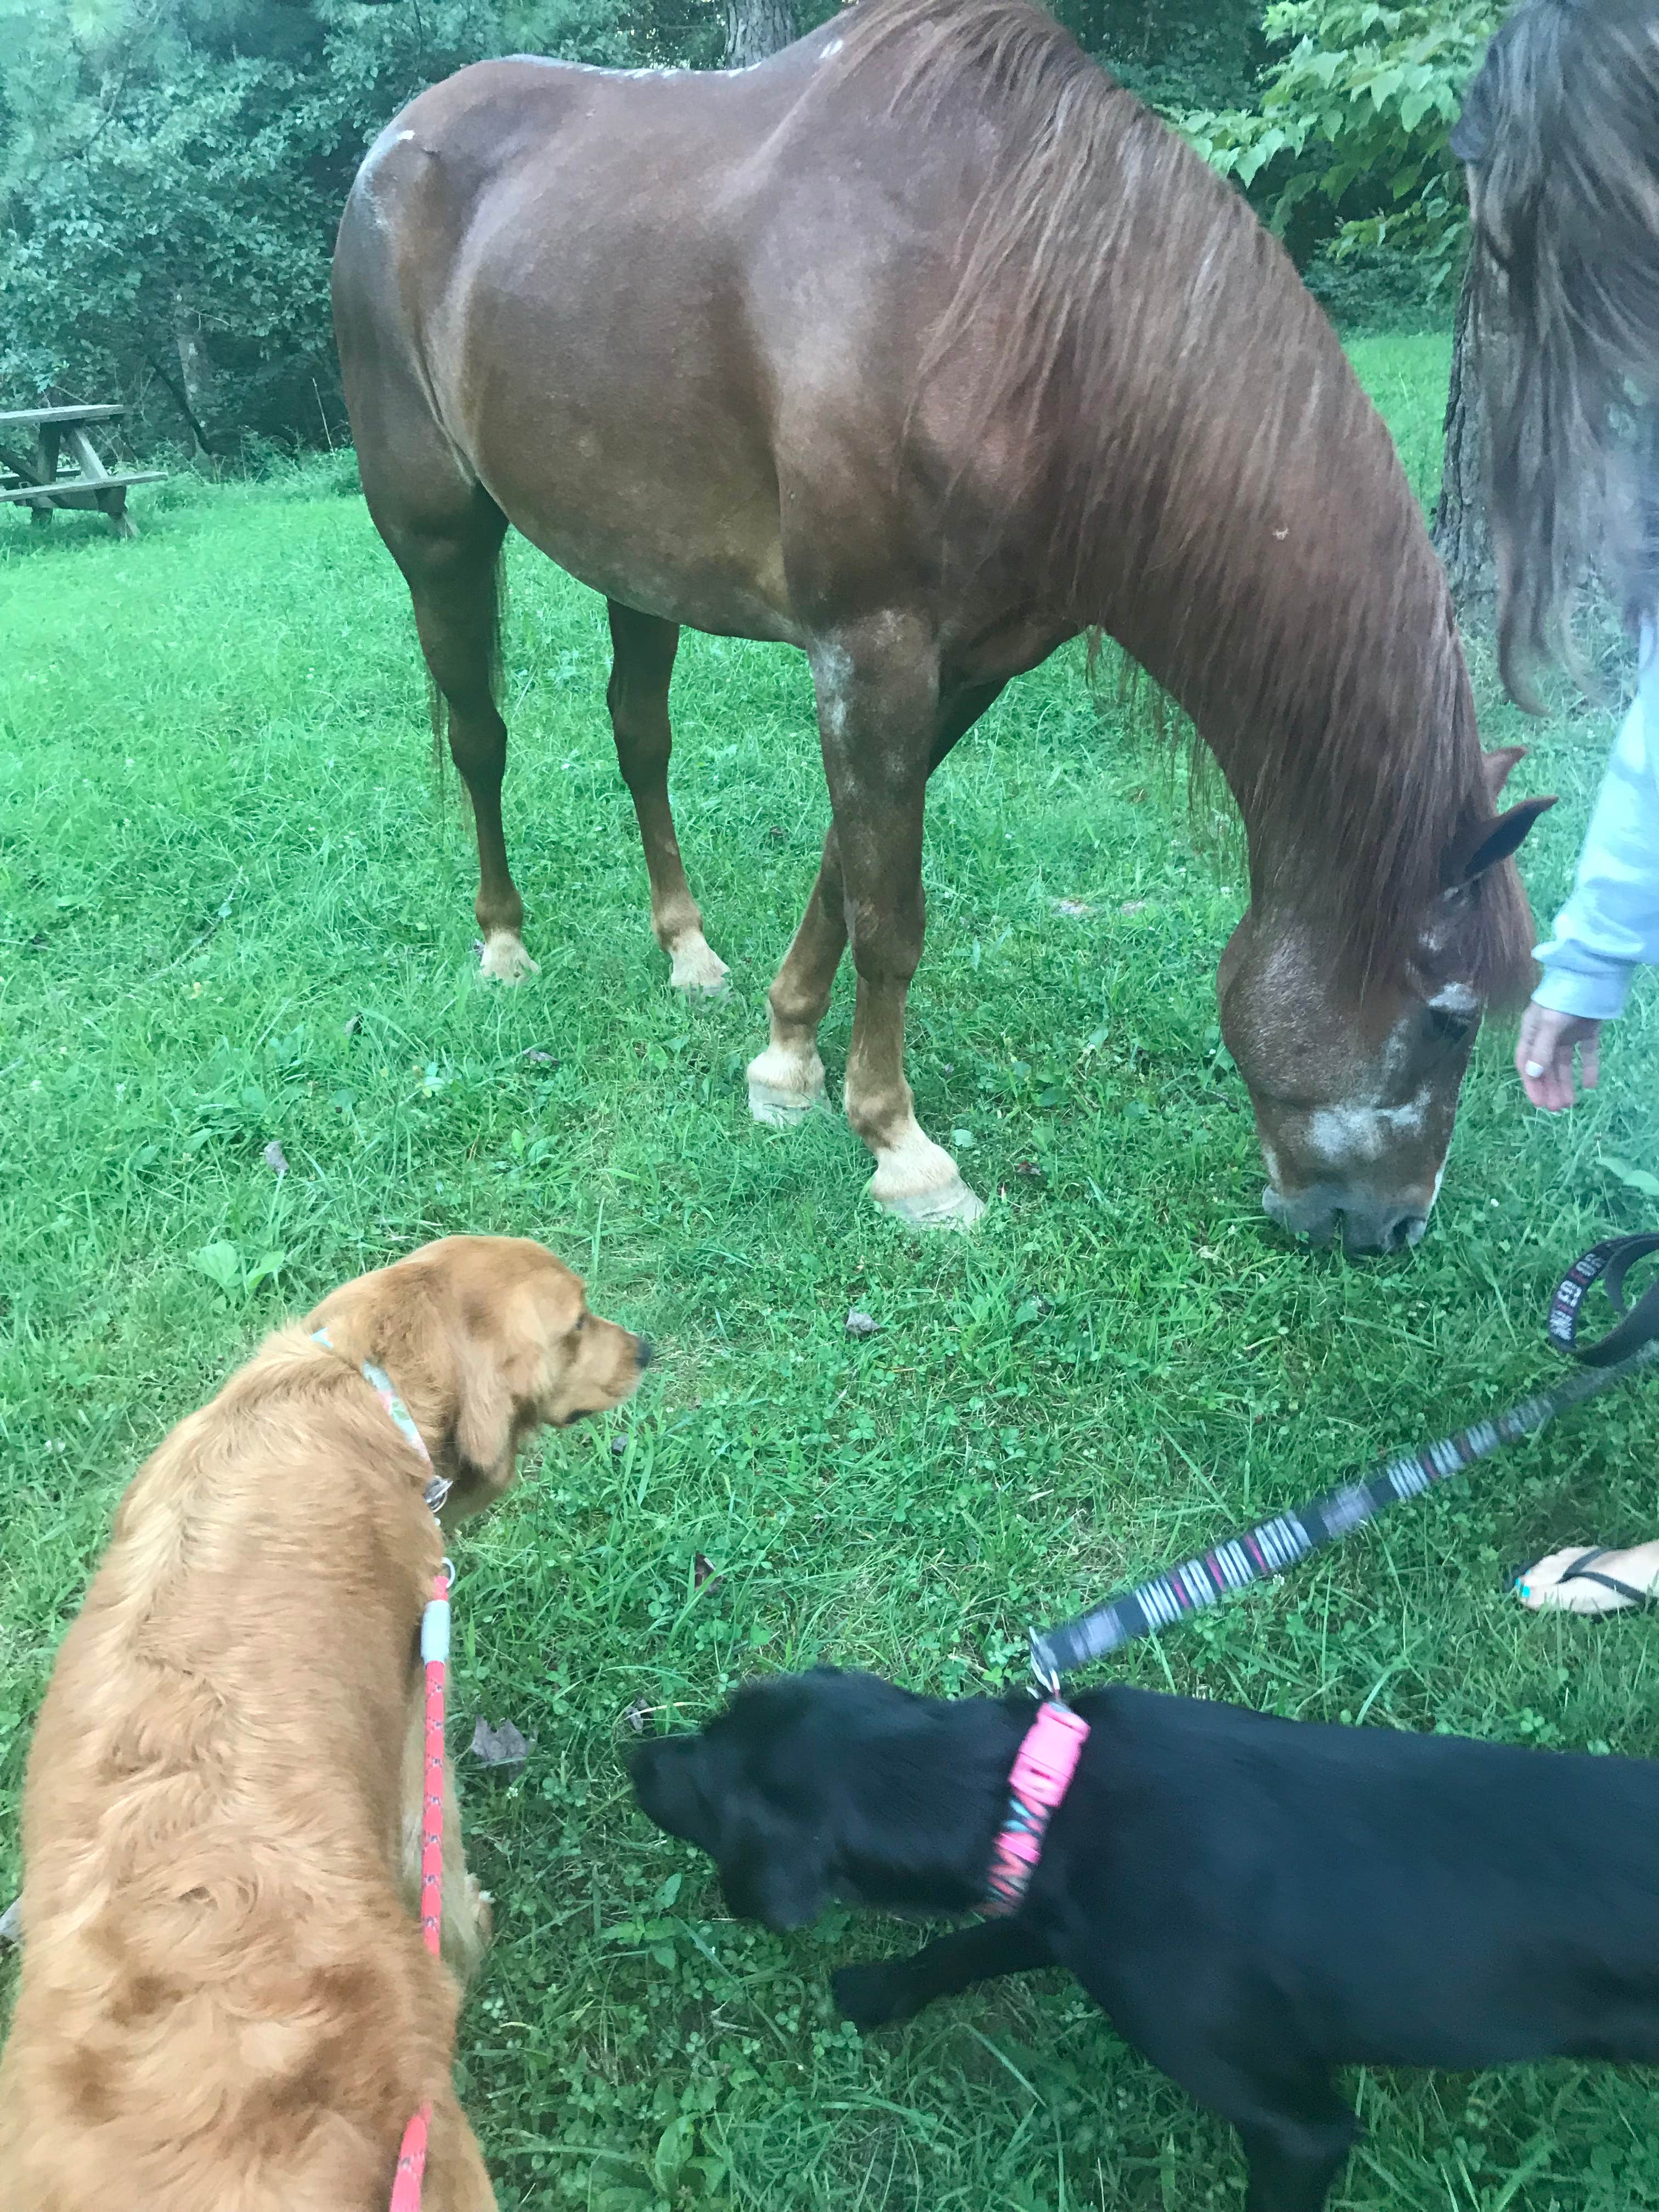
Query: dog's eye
[581, 1323]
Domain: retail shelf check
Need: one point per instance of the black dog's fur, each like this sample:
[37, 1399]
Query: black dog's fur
[1254, 1902]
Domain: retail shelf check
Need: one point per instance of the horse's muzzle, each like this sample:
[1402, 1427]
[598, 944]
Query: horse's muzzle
[1367, 1223]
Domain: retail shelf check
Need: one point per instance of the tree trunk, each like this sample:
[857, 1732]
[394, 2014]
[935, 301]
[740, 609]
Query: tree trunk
[1460, 535]
[194, 373]
[755, 28]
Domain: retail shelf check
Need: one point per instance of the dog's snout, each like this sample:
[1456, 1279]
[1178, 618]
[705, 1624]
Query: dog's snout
[660, 1779]
[644, 1352]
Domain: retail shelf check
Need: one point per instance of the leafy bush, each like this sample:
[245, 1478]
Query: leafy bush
[1176, 54]
[1355, 115]
[172, 173]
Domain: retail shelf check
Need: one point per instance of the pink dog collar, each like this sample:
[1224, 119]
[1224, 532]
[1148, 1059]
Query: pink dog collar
[1043, 1770]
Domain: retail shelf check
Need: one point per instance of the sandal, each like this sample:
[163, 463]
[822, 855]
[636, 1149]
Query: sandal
[1582, 1569]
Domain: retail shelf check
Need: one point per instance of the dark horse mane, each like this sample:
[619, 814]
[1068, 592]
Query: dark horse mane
[1214, 489]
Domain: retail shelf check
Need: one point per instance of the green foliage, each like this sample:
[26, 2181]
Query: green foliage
[233, 910]
[176, 168]
[1176, 54]
[1356, 113]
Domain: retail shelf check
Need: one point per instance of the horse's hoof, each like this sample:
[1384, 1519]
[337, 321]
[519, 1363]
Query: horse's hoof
[780, 1109]
[504, 959]
[918, 1183]
[953, 1204]
[697, 967]
[783, 1089]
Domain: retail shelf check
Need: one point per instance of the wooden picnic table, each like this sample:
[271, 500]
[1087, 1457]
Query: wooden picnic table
[34, 477]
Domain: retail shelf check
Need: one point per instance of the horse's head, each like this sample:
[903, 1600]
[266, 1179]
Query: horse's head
[1355, 1091]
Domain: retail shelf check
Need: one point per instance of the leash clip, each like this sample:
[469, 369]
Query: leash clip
[1044, 1672]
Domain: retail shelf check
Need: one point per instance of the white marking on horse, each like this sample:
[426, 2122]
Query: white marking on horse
[363, 190]
[1347, 1132]
[832, 678]
[1456, 998]
[918, 1180]
[697, 965]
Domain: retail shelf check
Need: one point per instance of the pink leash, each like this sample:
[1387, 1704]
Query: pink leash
[435, 1650]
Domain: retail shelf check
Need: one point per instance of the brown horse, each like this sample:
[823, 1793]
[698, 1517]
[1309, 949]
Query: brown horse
[924, 347]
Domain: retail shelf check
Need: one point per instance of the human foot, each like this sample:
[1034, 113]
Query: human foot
[1585, 1579]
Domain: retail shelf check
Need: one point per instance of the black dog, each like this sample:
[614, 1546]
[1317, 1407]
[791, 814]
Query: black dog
[1254, 1902]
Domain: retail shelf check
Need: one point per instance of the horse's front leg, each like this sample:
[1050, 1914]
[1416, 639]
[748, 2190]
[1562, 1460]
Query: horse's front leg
[878, 718]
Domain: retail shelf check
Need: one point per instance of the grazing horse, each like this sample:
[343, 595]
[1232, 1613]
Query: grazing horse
[924, 347]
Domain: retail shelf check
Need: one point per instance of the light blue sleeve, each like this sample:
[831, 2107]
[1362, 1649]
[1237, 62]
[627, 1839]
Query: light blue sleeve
[1611, 923]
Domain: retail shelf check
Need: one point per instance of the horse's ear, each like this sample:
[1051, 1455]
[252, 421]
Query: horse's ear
[1497, 841]
[1498, 763]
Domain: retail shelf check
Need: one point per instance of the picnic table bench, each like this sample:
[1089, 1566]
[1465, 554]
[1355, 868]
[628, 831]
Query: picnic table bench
[34, 477]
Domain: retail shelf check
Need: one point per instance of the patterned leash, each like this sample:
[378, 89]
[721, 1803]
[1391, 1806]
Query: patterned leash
[1273, 1545]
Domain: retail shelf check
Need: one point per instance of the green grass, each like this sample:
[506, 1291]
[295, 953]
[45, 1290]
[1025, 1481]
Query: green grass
[233, 910]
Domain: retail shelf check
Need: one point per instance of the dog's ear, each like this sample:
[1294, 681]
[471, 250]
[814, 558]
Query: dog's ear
[510, 1341]
[484, 1404]
[502, 1340]
[778, 1874]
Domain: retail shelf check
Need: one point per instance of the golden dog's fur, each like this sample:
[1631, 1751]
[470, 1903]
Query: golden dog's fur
[225, 2004]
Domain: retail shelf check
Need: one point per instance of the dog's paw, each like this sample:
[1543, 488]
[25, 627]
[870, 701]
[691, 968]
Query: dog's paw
[870, 1996]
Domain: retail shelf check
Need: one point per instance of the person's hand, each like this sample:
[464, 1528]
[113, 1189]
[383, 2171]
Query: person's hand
[1543, 1057]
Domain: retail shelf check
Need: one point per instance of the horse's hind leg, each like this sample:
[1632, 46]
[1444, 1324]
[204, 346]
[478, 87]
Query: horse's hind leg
[642, 649]
[449, 565]
[786, 1081]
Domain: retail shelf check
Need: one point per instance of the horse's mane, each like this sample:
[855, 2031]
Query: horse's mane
[1211, 484]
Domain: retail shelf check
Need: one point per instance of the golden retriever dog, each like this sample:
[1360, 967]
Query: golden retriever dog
[224, 2003]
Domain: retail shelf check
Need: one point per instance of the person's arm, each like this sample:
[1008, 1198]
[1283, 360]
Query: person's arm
[1610, 925]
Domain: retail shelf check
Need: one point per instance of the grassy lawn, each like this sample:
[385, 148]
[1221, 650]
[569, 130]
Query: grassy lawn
[234, 909]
